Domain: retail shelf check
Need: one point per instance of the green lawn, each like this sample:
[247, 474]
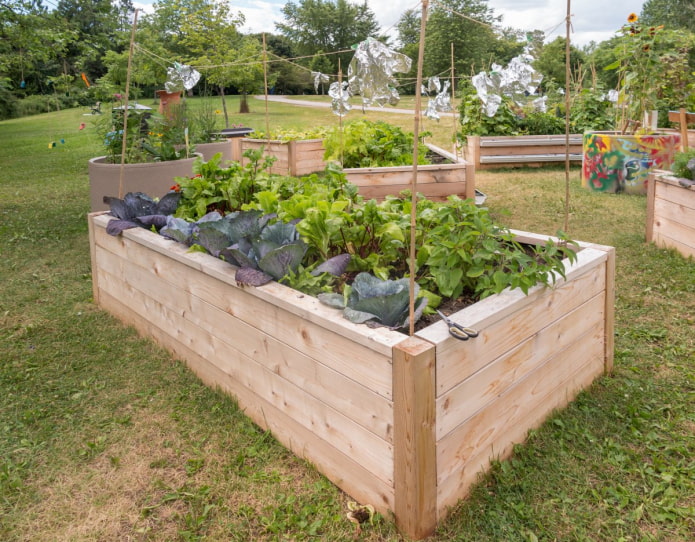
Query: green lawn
[104, 436]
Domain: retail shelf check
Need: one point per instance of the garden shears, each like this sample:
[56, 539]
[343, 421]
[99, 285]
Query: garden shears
[462, 333]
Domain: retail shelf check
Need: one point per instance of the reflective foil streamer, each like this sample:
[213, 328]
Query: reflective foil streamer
[517, 80]
[318, 79]
[340, 103]
[441, 102]
[371, 70]
[180, 77]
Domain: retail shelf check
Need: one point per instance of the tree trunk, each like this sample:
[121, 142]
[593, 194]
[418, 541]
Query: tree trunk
[224, 107]
[244, 104]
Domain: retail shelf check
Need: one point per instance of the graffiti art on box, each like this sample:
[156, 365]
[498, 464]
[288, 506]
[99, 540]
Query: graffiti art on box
[621, 163]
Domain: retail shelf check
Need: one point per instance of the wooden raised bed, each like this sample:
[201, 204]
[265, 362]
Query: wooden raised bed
[486, 152]
[403, 423]
[434, 181]
[670, 213]
[295, 158]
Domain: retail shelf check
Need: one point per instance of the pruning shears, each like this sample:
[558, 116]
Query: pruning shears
[462, 333]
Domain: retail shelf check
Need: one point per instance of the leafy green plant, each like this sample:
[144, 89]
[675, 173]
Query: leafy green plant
[371, 299]
[684, 165]
[365, 143]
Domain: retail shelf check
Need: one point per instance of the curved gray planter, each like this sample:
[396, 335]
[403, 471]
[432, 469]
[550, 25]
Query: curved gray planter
[154, 178]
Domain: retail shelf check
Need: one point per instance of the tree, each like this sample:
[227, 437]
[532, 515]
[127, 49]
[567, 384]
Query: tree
[226, 57]
[673, 14]
[551, 62]
[329, 26]
[467, 25]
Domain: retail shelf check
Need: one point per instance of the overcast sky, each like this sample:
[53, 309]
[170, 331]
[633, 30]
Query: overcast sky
[595, 20]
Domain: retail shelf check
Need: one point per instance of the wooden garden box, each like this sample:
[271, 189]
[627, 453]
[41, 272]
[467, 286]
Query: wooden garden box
[486, 152]
[434, 181]
[295, 158]
[670, 213]
[402, 423]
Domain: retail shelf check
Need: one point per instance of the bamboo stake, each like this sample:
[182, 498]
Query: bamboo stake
[453, 102]
[265, 86]
[340, 117]
[124, 140]
[568, 24]
[413, 186]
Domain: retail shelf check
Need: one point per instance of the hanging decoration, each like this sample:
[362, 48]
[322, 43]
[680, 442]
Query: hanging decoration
[181, 77]
[84, 78]
[517, 79]
[340, 102]
[319, 78]
[442, 100]
[371, 70]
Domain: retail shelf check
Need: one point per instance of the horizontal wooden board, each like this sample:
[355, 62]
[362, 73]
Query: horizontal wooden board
[456, 484]
[287, 361]
[522, 158]
[435, 192]
[511, 317]
[375, 454]
[343, 470]
[380, 340]
[482, 388]
[521, 406]
[528, 141]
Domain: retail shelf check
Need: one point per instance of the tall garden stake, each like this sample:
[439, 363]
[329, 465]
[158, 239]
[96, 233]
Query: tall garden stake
[124, 141]
[413, 185]
[568, 24]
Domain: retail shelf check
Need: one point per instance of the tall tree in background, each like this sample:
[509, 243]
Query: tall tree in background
[673, 14]
[467, 24]
[95, 23]
[224, 56]
[329, 26]
[551, 62]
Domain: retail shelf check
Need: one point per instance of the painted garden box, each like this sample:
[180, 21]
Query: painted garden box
[402, 423]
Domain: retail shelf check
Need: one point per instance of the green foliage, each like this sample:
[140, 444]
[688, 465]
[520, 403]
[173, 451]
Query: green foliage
[364, 143]
[590, 110]
[680, 164]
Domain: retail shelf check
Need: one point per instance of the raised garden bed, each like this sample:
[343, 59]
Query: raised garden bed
[436, 181]
[296, 157]
[402, 423]
[485, 152]
[671, 213]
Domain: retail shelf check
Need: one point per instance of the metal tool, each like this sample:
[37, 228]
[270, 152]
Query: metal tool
[458, 331]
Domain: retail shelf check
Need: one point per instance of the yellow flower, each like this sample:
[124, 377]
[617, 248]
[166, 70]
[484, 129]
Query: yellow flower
[632, 18]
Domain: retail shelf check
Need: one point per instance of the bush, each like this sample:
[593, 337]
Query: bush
[680, 164]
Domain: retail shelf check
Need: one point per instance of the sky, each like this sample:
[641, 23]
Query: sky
[592, 20]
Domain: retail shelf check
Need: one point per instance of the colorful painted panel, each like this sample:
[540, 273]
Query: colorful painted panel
[620, 163]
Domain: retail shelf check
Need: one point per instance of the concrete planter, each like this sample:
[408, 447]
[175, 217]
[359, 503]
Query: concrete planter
[621, 163]
[402, 423]
[153, 178]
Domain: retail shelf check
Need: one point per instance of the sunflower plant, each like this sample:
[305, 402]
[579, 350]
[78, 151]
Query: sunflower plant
[651, 62]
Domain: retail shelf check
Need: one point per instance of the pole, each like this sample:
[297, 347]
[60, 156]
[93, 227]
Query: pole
[568, 24]
[413, 185]
[453, 103]
[265, 86]
[124, 141]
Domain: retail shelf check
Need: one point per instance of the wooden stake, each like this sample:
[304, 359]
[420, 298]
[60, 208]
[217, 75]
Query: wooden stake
[568, 74]
[413, 185]
[265, 86]
[124, 140]
[453, 103]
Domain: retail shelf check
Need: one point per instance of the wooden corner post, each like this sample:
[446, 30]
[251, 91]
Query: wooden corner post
[415, 468]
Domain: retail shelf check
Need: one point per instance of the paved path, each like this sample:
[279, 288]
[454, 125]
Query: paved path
[309, 103]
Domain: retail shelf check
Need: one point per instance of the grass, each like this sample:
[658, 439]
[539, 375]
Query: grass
[103, 436]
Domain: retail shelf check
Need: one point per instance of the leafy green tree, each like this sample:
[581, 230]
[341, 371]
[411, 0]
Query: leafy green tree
[95, 23]
[222, 53]
[674, 14]
[467, 25]
[329, 26]
[551, 62]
